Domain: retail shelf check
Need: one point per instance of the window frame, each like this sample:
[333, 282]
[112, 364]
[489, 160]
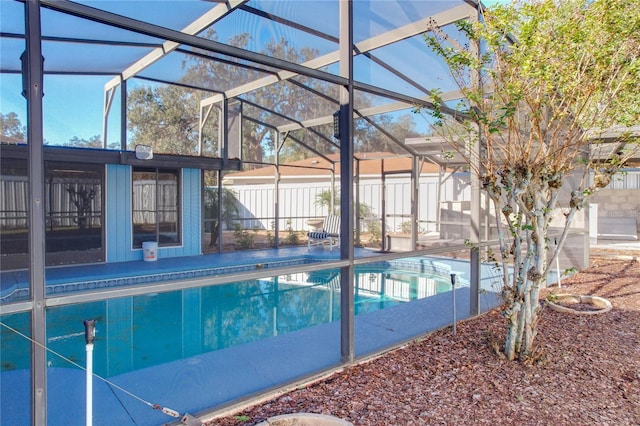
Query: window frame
[136, 242]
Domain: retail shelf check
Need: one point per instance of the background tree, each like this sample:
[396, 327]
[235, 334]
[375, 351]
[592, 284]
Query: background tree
[167, 117]
[93, 142]
[538, 105]
[11, 126]
[164, 117]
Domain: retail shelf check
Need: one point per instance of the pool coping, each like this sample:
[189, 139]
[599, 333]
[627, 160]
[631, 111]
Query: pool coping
[14, 285]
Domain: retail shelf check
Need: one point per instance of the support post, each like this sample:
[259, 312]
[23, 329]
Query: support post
[123, 116]
[383, 207]
[476, 205]
[453, 298]
[415, 173]
[276, 202]
[220, 212]
[347, 346]
[108, 100]
[439, 197]
[224, 136]
[276, 196]
[356, 181]
[332, 191]
[32, 71]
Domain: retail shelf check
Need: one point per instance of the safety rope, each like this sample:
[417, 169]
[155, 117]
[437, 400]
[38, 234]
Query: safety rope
[165, 410]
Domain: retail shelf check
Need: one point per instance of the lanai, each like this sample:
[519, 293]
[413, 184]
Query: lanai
[356, 72]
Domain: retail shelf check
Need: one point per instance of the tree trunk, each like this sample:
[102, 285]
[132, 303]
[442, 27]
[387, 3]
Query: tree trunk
[214, 234]
[512, 333]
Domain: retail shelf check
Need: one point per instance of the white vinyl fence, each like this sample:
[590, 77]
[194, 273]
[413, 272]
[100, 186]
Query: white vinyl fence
[297, 201]
[628, 179]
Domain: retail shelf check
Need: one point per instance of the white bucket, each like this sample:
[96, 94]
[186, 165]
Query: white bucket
[150, 251]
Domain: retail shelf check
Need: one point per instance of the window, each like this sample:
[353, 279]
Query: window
[73, 213]
[14, 214]
[156, 200]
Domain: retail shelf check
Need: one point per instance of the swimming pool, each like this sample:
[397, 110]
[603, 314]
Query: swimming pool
[137, 332]
[202, 348]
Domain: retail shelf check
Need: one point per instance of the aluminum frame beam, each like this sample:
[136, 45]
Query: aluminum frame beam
[157, 31]
[202, 23]
[440, 19]
[33, 91]
[288, 23]
[286, 117]
[475, 224]
[347, 292]
[176, 38]
[315, 151]
[367, 112]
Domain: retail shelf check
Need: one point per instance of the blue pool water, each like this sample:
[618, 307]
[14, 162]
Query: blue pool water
[141, 331]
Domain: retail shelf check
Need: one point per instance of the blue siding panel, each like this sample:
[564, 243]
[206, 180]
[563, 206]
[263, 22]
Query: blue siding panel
[118, 216]
[191, 212]
[118, 220]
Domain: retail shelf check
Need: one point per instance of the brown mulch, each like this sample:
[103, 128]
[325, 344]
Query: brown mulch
[587, 372]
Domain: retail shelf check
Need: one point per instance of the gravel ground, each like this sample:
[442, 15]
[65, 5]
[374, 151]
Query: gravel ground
[587, 371]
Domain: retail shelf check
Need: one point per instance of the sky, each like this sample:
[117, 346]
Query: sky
[79, 119]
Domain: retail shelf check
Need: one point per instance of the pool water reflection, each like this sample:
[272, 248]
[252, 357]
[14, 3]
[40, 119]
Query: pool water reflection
[141, 331]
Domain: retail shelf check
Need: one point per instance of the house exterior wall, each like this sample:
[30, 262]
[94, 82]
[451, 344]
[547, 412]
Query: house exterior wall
[191, 213]
[118, 226]
[119, 222]
[619, 203]
[621, 199]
